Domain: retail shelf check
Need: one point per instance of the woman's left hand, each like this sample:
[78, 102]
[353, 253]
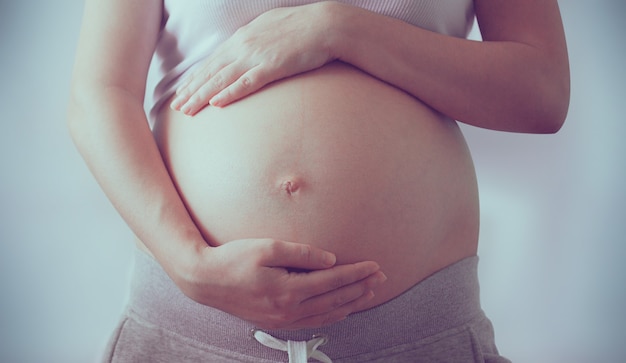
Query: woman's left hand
[277, 44]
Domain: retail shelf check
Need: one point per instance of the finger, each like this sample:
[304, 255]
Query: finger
[191, 84]
[295, 255]
[339, 311]
[200, 98]
[202, 73]
[248, 83]
[334, 316]
[341, 297]
[308, 285]
[182, 95]
[196, 79]
[185, 83]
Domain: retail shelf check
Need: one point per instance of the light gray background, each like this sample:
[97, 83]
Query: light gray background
[552, 238]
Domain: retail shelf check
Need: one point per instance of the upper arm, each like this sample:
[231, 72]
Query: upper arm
[116, 43]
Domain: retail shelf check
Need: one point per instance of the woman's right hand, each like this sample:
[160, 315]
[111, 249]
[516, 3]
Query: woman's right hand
[279, 285]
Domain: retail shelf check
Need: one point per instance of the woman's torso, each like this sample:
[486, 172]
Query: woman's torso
[334, 158]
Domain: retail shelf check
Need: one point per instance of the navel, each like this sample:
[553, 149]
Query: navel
[290, 186]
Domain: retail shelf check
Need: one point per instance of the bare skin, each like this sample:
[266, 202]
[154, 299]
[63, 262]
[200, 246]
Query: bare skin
[336, 159]
[109, 126]
[516, 80]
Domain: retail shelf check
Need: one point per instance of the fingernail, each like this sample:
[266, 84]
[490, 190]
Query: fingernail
[380, 278]
[383, 277]
[216, 101]
[175, 105]
[186, 109]
[330, 259]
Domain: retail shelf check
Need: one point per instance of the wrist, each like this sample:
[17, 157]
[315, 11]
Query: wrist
[331, 16]
[182, 260]
[191, 260]
[338, 20]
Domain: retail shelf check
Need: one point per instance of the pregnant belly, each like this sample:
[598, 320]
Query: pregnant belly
[333, 158]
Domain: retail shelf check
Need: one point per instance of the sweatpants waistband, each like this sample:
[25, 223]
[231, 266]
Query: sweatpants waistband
[447, 299]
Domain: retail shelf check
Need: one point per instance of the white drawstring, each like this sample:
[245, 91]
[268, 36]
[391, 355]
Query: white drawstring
[298, 351]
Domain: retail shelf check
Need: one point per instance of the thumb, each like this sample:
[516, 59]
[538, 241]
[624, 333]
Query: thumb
[297, 255]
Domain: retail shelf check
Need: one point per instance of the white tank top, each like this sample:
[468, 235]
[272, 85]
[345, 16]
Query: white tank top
[192, 29]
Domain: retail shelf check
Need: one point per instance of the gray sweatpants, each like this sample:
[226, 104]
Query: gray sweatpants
[437, 320]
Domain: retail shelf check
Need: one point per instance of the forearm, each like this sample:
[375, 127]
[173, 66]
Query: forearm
[500, 85]
[110, 131]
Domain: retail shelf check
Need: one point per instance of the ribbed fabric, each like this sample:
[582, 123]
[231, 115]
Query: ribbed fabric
[192, 29]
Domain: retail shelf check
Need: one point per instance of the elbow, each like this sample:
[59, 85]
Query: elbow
[552, 120]
[556, 123]
[551, 107]
[557, 114]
